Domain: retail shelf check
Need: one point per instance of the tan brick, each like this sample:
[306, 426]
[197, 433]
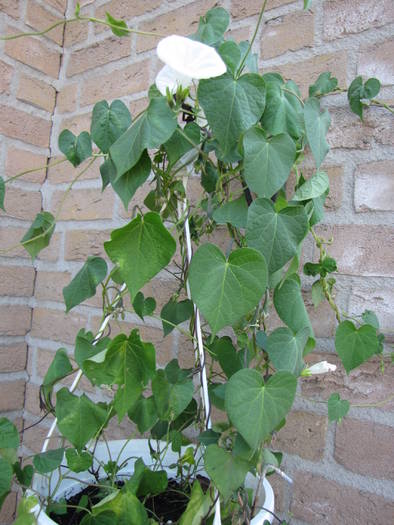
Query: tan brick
[75, 33]
[77, 123]
[378, 61]
[32, 399]
[35, 54]
[161, 290]
[65, 171]
[163, 345]
[171, 23]
[354, 16]
[319, 500]
[19, 160]
[364, 385]
[239, 34]
[12, 394]
[349, 132]
[49, 285]
[335, 176]
[241, 9]
[33, 438]
[36, 93]
[6, 72]
[287, 33]
[67, 98]
[374, 186]
[9, 242]
[21, 204]
[365, 447]
[131, 79]
[7, 513]
[83, 205]
[322, 318]
[10, 8]
[13, 357]
[15, 320]
[82, 243]
[58, 4]
[98, 54]
[303, 435]
[56, 325]
[23, 126]
[39, 19]
[125, 10]
[16, 281]
[136, 106]
[361, 251]
[306, 72]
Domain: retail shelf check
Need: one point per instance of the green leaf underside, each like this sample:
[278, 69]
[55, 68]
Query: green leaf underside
[275, 235]
[317, 123]
[153, 128]
[355, 346]
[255, 408]
[225, 290]
[232, 212]
[108, 123]
[267, 162]
[232, 106]
[39, 234]
[337, 407]
[226, 470]
[84, 284]
[290, 306]
[286, 349]
[312, 188]
[141, 249]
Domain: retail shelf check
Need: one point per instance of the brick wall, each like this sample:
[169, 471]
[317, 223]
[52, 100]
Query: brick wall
[342, 473]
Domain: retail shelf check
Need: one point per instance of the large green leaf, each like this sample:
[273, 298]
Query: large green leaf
[154, 127]
[48, 461]
[141, 249]
[171, 397]
[108, 123]
[354, 346]
[127, 184]
[39, 234]
[126, 506]
[84, 284]
[226, 289]
[267, 162]
[312, 188]
[79, 419]
[276, 235]
[285, 349]
[232, 106]
[85, 349]
[76, 149]
[224, 351]
[283, 111]
[212, 26]
[9, 436]
[225, 469]
[198, 506]
[144, 413]
[232, 212]
[256, 408]
[317, 123]
[290, 306]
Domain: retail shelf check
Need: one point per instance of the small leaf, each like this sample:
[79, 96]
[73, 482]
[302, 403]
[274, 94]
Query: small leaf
[369, 317]
[58, 369]
[232, 212]
[76, 149]
[337, 407]
[317, 185]
[2, 193]
[231, 55]
[317, 123]
[212, 26]
[175, 313]
[39, 234]
[142, 306]
[108, 123]
[317, 293]
[323, 85]
[225, 469]
[48, 461]
[78, 461]
[118, 27]
[84, 284]
[354, 346]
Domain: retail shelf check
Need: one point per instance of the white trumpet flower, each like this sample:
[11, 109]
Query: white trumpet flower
[319, 368]
[185, 60]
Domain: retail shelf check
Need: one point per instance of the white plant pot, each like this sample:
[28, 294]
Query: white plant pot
[136, 448]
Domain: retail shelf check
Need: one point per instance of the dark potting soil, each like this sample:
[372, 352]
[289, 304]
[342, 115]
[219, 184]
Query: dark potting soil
[167, 506]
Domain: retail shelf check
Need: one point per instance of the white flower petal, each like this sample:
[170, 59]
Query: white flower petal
[319, 368]
[190, 58]
[171, 79]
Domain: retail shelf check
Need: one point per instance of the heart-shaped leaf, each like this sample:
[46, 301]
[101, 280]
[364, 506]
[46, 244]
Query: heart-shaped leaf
[76, 149]
[276, 235]
[267, 162]
[323, 85]
[317, 123]
[143, 306]
[256, 408]
[354, 346]
[38, 236]
[212, 26]
[225, 290]
[313, 187]
[108, 123]
[226, 470]
[337, 407]
[285, 349]
[84, 284]
[232, 212]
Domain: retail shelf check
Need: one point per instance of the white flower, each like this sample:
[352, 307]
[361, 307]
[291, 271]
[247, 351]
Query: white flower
[319, 368]
[186, 59]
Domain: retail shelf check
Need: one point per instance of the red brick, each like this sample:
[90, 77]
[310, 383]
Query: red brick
[13, 357]
[19, 160]
[320, 501]
[279, 35]
[365, 447]
[49, 285]
[98, 54]
[35, 54]
[16, 281]
[6, 72]
[374, 186]
[378, 61]
[304, 435]
[40, 19]
[10, 8]
[354, 16]
[65, 171]
[361, 251]
[23, 126]
[83, 205]
[82, 243]
[241, 9]
[66, 101]
[21, 204]
[15, 320]
[12, 395]
[131, 79]
[32, 399]
[56, 325]
[36, 93]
